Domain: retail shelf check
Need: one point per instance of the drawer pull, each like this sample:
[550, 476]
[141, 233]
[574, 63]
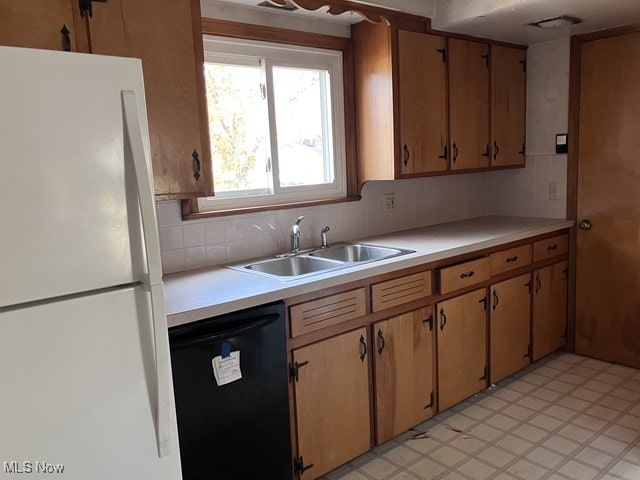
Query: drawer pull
[380, 342]
[553, 247]
[512, 259]
[468, 274]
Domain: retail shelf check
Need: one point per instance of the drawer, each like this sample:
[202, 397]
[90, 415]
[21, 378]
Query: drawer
[510, 259]
[400, 290]
[311, 316]
[464, 274]
[550, 247]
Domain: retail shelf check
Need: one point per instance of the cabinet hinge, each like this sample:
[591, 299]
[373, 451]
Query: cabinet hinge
[483, 301]
[524, 65]
[484, 374]
[431, 398]
[529, 351]
[429, 320]
[299, 467]
[443, 51]
[294, 370]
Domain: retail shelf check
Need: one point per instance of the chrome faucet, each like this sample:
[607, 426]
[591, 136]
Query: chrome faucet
[324, 237]
[295, 235]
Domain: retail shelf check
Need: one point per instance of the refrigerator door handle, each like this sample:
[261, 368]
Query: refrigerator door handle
[133, 141]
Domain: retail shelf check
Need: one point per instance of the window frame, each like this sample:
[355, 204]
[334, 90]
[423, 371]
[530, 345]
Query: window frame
[243, 31]
[219, 49]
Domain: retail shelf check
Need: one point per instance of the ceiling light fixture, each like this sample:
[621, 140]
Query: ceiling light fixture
[556, 22]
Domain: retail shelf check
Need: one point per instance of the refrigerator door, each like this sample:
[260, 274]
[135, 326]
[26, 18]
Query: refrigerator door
[79, 388]
[71, 219]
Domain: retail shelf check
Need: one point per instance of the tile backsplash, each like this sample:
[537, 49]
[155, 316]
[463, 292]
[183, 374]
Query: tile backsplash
[187, 245]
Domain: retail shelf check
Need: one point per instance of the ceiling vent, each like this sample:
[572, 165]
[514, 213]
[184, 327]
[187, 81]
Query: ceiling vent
[287, 7]
[556, 22]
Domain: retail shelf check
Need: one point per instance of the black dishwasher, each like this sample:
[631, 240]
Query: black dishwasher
[239, 430]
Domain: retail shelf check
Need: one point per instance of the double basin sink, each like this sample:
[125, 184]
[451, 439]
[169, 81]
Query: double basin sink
[291, 267]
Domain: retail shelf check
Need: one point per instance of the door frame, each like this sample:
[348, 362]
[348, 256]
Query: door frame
[573, 157]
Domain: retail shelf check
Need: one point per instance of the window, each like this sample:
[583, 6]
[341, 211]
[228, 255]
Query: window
[276, 121]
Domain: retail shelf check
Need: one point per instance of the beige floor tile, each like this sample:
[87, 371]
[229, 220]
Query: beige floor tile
[496, 456]
[378, 468]
[626, 394]
[558, 386]
[461, 422]
[401, 455]
[507, 394]
[584, 372]
[514, 444]
[586, 394]
[633, 455]
[423, 445]
[545, 421]
[626, 470]
[573, 432]
[353, 475]
[501, 422]
[594, 457]
[629, 421]
[505, 476]
[615, 403]
[533, 403]
[453, 476]
[363, 459]
[522, 387]
[571, 378]
[578, 471]
[573, 403]
[561, 445]
[561, 413]
[518, 412]
[598, 386]
[477, 412]
[527, 470]
[590, 422]
[608, 445]
[624, 434]
[546, 394]
[448, 456]
[545, 457]
[467, 444]
[442, 432]
[535, 378]
[426, 469]
[531, 433]
[609, 378]
[485, 432]
[548, 371]
[492, 403]
[404, 476]
[476, 469]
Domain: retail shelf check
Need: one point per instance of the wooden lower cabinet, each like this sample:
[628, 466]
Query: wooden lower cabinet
[510, 325]
[549, 309]
[404, 369]
[332, 401]
[462, 347]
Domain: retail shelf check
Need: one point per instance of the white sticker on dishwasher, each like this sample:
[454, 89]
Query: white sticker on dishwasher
[227, 370]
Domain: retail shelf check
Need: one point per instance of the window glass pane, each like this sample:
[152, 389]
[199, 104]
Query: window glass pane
[237, 125]
[302, 103]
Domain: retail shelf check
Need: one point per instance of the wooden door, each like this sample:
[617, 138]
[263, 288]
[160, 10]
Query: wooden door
[508, 105]
[37, 23]
[608, 254]
[469, 101]
[462, 347]
[404, 364]
[332, 402]
[549, 309]
[510, 326]
[167, 37]
[422, 83]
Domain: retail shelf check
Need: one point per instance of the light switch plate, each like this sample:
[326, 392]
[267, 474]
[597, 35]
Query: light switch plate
[554, 191]
[388, 202]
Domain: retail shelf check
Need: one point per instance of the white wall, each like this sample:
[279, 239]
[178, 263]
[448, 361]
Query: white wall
[525, 192]
[419, 202]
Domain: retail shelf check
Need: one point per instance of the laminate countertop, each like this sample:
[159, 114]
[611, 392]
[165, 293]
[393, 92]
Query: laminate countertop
[198, 294]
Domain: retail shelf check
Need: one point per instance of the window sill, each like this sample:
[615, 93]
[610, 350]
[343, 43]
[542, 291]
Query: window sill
[187, 214]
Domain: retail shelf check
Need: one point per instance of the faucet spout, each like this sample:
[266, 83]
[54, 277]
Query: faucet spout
[295, 235]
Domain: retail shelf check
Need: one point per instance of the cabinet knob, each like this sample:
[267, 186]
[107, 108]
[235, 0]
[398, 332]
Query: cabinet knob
[585, 224]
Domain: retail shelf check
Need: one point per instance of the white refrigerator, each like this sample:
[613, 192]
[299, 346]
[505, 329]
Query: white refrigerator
[85, 379]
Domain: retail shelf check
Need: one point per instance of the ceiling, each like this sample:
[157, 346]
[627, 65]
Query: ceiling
[504, 20]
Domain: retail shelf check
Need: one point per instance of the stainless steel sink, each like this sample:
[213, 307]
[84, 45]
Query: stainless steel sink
[357, 253]
[294, 266]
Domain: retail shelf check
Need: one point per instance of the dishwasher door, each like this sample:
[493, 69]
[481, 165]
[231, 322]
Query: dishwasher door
[240, 430]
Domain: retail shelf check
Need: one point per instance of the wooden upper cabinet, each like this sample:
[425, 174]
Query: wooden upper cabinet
[422, 80]
[39, 24]
[167, 37]
[508, 99]
[549, 309]
[332, 401]
[469, 102]
[404, 366]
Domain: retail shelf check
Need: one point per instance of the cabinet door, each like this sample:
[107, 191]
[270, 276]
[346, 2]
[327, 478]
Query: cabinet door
[167, 37]
[332, 402]
[549, 309]
[37, 23]
[510, 326]
[508, 80]
[462, 347]
[469, 100]
[404, 348]
[422, 81]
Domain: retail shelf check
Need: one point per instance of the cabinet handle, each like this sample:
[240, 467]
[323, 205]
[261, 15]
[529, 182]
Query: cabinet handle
[445, 155]
[511, 259]
[407, 154]
[443, 51]
[196, 165]
[483, 301]
[486, 152]
[552, 247]
[455, 152]
[496, 300]
[443, 319]
[429, 320]
[380, 342]
[521, 152]
[468, 274]
[66, 39]
[496, 150]
[363, 348]
[86, 6]
[538, 283]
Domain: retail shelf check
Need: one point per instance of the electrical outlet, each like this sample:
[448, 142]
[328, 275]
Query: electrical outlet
[554, 191]
[388, 202]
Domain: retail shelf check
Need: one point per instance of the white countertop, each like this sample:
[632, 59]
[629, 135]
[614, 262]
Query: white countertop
[203, 293]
